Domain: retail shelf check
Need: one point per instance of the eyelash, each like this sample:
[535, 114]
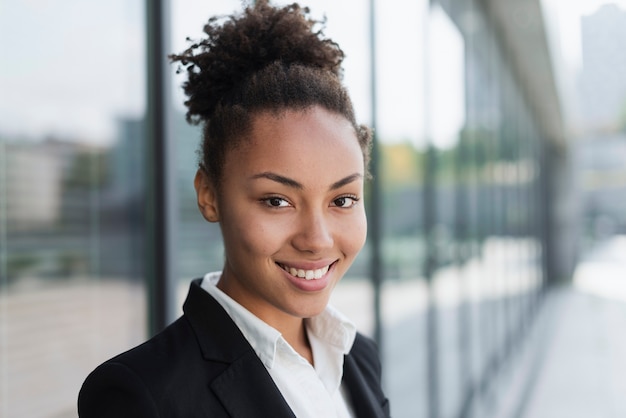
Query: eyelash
[267, 201]
[354, 199]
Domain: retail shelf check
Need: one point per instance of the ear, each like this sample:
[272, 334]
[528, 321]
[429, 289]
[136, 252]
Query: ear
[207, 197]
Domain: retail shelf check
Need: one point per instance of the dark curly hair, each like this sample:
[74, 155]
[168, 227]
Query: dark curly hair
[266, 59]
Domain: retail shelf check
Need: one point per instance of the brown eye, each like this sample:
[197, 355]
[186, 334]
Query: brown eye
[345, 202]
[276, 202]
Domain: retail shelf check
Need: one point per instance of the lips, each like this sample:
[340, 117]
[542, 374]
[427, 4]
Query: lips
[315, 274]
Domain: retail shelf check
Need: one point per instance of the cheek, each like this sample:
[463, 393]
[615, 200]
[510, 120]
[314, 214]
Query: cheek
[363, 233]
[353, 238]
[255, 236]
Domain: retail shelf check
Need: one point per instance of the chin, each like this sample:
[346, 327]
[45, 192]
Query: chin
[310, 310]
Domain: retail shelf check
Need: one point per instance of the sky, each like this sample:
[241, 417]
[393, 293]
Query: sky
[71, 67]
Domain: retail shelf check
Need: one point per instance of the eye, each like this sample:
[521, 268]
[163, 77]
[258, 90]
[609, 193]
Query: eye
[276, 202]
[345, 202]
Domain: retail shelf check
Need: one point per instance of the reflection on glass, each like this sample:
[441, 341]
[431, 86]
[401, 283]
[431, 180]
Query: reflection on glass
[71, 186]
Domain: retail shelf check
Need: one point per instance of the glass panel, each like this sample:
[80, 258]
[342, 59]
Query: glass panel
[71, 186]
[400, 129]
[446, 102]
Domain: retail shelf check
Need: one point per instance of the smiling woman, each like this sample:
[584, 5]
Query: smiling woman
[282, 170]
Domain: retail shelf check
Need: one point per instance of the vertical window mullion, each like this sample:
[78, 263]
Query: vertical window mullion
[161, 170]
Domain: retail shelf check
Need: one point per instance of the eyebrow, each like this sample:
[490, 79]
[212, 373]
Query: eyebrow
[295, 185]
[278, 179]
[346, 180]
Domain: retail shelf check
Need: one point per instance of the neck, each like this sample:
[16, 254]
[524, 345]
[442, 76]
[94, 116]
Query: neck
[293, 330]
[298, 338]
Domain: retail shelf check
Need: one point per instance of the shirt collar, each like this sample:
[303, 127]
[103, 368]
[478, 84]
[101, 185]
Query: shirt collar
[331, 334]
[333, 328]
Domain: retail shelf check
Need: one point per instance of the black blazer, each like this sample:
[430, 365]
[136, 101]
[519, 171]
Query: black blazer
[202, 366]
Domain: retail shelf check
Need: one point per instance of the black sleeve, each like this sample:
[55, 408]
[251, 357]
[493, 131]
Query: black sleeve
[114, 390]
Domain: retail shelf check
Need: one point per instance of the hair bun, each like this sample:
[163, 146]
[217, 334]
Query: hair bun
[238, 46]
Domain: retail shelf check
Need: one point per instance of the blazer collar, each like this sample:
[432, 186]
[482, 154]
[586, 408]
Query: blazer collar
[217, 334]
[245, 388]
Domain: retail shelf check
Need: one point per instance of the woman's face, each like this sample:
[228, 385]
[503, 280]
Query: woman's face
[290, 207]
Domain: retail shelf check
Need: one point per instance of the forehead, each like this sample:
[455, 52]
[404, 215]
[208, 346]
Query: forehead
[313, 142]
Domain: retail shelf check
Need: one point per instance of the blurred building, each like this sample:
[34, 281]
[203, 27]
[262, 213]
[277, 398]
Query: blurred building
[601, 150]
[40, 169]
[602, 81]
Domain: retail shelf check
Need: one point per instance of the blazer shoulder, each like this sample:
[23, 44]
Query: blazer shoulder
[154, 376]
[115, 390]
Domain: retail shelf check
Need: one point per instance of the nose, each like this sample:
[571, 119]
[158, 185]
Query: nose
[314, 232]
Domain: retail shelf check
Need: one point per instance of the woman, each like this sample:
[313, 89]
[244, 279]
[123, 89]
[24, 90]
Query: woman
[282, 168]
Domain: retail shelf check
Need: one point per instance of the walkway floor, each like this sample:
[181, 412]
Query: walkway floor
[577, 359]
[582, 368]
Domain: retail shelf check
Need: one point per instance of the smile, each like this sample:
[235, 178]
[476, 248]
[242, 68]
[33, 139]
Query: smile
[305, 274]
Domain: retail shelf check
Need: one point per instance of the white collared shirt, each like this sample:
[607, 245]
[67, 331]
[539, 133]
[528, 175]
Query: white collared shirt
[310, 391]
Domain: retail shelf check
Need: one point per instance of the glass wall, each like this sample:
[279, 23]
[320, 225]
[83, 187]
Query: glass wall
[460, 176]
[483, 234]
[71, 185]
[400, 126]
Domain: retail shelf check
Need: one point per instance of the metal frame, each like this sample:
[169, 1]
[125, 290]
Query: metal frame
[161, 199]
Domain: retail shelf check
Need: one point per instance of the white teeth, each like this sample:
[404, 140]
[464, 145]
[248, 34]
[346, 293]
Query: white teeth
[307, 274]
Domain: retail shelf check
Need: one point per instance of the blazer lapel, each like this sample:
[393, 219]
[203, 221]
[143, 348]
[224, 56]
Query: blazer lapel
[245, 387]
[247, 390]
[364, 401]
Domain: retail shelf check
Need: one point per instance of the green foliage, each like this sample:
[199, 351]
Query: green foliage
[18, 264]
[88, 170]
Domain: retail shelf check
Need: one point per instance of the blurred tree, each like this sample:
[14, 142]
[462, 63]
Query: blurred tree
[401, 165]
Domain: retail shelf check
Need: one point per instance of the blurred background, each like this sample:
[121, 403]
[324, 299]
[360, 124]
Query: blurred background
[494, 278]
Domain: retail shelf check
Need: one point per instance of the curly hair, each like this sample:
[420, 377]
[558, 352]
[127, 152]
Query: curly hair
[265, 59]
